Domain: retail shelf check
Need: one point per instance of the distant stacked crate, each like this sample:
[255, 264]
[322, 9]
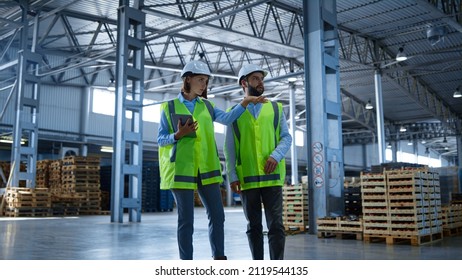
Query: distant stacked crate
[82, 176]
[415, 203]
[295, 207]
[374, 204]
[352, 196]
[150, 187]
[27, 202]
[452, 219]
[152, 198]
[166, 201]
[456, 198]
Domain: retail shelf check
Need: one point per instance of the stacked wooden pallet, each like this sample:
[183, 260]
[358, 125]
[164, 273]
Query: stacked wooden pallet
[340, 227]
[375, 204]
[295, 207]
[406, 206]
[42, 175]
[27, 202]
[81, 176]
[54, 178]
[415, 203]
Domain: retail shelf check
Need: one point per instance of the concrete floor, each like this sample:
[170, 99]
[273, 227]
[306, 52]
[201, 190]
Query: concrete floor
[96, 238]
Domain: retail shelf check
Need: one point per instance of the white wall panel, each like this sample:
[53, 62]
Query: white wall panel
[60, 108]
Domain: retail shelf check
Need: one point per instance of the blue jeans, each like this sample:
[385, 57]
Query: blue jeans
[272, 202]
[210, 196]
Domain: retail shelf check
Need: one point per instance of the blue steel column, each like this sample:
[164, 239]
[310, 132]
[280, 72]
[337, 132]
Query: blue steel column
[379, 112]
[127, 158]
[27, 102]
[324, 130]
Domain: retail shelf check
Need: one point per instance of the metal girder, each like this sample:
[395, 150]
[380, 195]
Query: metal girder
[354, 110]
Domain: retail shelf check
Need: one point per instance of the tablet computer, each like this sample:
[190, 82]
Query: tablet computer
[184, 119]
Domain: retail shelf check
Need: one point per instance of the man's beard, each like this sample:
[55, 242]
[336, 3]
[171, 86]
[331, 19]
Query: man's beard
[254, 91]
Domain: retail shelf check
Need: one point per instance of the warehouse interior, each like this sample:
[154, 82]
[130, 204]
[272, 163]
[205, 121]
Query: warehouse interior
[366, 86]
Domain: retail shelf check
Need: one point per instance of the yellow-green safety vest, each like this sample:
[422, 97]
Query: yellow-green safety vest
[254, 141]
[181, 161]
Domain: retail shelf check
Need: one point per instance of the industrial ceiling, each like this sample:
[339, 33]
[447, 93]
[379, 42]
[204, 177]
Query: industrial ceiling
[77, 41]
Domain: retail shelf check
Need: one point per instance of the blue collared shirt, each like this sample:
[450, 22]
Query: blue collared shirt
[278, 154]
[165, 138]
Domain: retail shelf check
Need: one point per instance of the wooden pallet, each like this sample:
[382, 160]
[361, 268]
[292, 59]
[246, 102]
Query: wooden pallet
[27, 212]
[414, 240]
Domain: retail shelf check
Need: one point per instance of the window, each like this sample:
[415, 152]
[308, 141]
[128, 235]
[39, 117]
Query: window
[104, 103]
[299, 138]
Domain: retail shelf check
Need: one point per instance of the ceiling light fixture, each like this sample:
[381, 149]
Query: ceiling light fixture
[106, 149]
[457, 93]
[402, 129]
[401, 56]
[369, 105]
[445, 140]
[111, 85]
[410, 142]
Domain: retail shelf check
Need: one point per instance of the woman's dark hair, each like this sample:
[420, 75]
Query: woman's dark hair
[187, 86]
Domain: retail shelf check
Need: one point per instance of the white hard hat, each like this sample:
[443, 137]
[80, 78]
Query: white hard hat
[248, 69]
[196, 67]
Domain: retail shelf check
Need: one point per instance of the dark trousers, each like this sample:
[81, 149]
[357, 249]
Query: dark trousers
[272, 202]
[211, 199]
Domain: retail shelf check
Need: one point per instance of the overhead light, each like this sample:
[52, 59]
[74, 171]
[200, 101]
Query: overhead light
[427, 151]
[457, 93]
[402, 129]
[445, 140]
[389, 145]
[111, 86]
[423, 141]
[446, 148]
[106, 149]
[369, 105]
[435, 34]
[410, 142]
[210, 95]
[292, 79]
[401, 56]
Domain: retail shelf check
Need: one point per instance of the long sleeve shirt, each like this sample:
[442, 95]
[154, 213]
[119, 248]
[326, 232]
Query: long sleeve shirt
[278, 154]
[164, 137]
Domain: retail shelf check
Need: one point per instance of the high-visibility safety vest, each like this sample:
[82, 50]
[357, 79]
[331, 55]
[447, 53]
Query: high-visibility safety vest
[254, 141]
[181, 161]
